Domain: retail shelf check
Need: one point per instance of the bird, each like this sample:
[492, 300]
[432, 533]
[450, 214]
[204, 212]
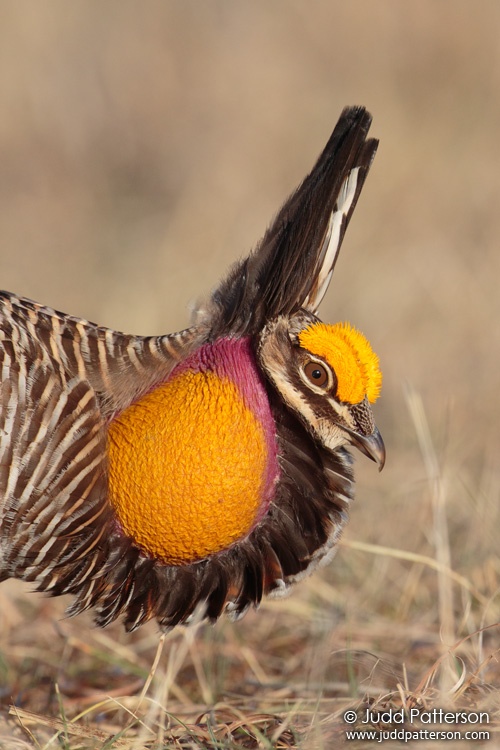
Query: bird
[189, 475]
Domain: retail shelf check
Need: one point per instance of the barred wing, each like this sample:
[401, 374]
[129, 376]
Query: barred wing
[53, 506]
[120, 368]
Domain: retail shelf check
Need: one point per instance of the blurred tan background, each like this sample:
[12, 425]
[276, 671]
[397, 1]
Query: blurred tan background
[146, 146]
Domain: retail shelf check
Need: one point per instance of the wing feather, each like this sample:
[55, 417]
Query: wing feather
[292, 265]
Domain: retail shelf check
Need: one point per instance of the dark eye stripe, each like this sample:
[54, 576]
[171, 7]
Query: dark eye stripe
[317, 374]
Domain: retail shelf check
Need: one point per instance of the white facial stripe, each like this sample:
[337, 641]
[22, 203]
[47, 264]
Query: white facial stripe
[331, 435]
[291, 395]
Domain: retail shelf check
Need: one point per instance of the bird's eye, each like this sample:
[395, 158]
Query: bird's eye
[317, 374]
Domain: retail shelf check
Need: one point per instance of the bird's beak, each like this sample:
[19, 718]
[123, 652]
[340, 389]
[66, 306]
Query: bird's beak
[371, 445]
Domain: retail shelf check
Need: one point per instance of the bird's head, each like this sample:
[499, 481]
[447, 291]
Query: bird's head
[328, 375]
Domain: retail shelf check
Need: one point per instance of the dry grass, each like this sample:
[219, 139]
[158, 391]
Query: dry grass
[142, 149]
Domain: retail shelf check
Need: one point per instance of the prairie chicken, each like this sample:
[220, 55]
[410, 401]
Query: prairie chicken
[150, 477]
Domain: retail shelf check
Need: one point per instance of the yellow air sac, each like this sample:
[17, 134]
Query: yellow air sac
[189, 467]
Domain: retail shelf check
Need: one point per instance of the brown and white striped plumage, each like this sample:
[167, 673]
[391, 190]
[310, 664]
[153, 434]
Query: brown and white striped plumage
[64, 380]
